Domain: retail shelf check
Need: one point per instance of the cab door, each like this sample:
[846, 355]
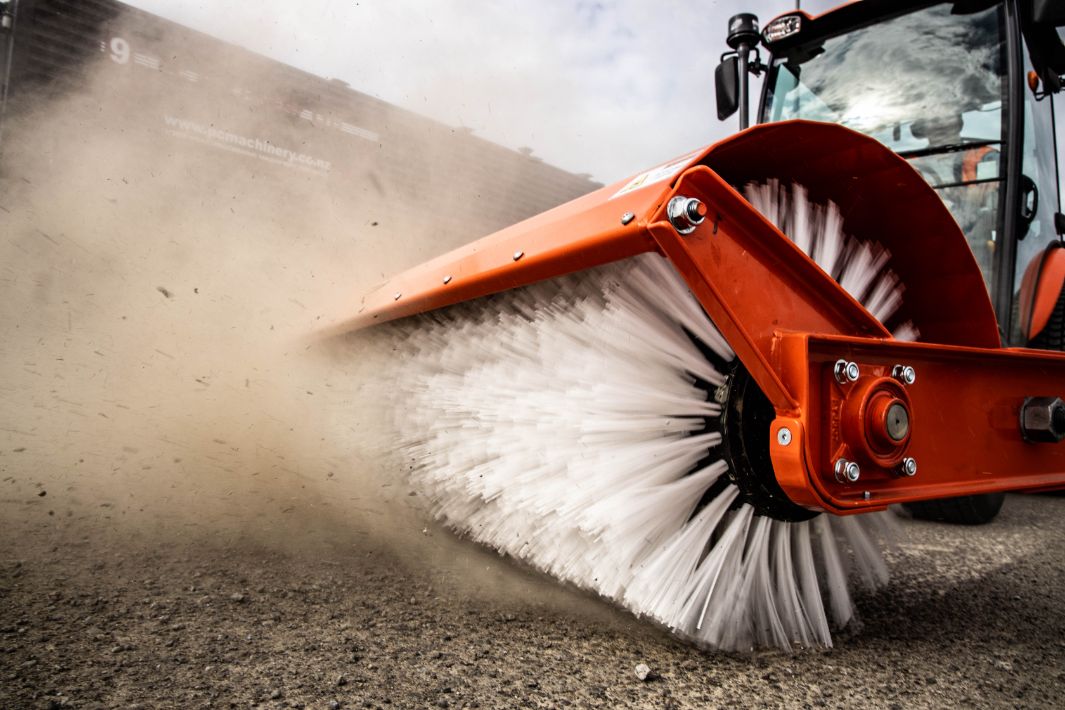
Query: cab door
[1038, 272]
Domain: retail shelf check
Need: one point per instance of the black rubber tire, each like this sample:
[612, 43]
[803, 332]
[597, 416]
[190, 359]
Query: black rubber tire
[966, 510]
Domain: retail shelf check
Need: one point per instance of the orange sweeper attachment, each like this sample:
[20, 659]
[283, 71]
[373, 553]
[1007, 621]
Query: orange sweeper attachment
[678, 390]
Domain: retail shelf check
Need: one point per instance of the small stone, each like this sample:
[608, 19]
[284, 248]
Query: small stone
[275, 695]
[334, 705]
[238, 597]
[643, 671]
[341, 680]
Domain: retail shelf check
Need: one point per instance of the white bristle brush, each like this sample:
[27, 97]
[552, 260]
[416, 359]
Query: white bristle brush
[563, 424]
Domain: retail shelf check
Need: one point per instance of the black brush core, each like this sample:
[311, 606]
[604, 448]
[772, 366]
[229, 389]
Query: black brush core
[745, 421]
[746, 418]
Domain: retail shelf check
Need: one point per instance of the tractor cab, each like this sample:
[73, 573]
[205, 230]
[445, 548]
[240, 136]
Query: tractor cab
[963, 91]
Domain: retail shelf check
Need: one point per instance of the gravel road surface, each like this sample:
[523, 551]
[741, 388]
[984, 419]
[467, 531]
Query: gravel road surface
[100, 610]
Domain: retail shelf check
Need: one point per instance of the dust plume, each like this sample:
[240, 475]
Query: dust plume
[158, 295]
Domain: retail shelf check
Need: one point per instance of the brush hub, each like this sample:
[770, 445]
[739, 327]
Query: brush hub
[888, 422]
[877, 421]
[746, 418]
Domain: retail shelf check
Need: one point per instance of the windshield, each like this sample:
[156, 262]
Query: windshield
[929, 85]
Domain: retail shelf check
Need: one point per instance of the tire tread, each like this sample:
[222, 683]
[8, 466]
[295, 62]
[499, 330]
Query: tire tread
[965, 510]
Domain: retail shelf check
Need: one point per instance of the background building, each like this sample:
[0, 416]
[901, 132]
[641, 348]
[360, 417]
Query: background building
[165, 85]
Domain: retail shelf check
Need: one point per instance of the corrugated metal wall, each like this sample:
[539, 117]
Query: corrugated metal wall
[54, 40]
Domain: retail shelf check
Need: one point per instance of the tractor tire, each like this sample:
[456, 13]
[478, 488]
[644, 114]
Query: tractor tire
[966, 510]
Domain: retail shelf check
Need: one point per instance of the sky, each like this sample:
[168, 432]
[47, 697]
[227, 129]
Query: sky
[605, 87]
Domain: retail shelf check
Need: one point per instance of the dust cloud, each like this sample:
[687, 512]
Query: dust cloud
[158, 298]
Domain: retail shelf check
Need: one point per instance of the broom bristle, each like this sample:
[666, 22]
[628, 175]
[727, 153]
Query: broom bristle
[564, 425]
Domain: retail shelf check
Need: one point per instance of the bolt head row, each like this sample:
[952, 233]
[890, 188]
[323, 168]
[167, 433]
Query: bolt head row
[849, 471]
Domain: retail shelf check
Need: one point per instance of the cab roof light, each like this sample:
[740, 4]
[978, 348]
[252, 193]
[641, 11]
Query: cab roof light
[782, 27]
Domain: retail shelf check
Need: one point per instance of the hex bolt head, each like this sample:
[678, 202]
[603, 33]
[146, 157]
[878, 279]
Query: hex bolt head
[846, 371]
[904, 374]
[783, 436]
[685, 213]
[1043, 420]
[908, 467]
[627, 217]
[847, 471]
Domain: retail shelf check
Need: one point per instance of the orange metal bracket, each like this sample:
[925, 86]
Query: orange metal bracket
[753, 281]
[965, 409]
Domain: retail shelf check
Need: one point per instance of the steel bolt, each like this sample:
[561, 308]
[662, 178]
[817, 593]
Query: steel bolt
[847, 471]
[846, 371]
[397, 296]
[627, 217]
[518, 254]
[685, 214]
[1043, 419]
[908, 467]
[784, 436]
[904, 374]
[447, 279]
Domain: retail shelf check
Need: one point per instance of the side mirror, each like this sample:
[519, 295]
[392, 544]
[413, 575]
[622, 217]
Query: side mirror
[727, 82]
